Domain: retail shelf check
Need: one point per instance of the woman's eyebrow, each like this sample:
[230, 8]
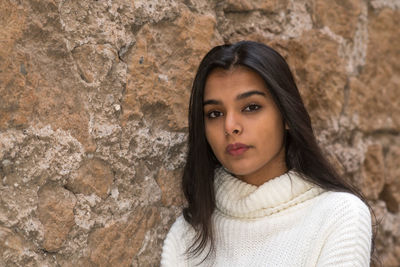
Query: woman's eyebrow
[211, 102]
[250, 93]
[239, 97]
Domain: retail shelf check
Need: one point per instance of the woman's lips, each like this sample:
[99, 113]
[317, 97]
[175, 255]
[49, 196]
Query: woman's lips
[236, 149]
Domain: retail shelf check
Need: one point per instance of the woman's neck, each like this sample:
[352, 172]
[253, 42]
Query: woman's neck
[264, 174]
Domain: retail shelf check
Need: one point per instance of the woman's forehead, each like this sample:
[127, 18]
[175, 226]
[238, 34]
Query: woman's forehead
[235, 80]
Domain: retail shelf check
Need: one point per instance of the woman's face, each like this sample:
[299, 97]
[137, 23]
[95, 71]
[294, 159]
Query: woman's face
[243, 125]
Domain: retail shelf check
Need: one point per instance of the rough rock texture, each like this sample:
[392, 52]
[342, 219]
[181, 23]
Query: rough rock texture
[56, 213]
[94, 176]
[93, 114]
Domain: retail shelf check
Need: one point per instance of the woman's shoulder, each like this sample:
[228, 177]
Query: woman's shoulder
[346, 232]
[179, 232]
[342, 201]
[179, 228]
[176, 243]
[343, 208]
[172, 249]
[180, 224]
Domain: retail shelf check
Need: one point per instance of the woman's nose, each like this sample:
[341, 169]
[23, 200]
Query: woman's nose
[232, 124]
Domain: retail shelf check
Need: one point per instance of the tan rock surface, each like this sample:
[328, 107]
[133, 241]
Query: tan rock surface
[159, 79]
[15, 250]
[391, 192]
[116, 244]
[93, 177]
[341, 16]
[56, 213]
[39, 53]
[374, 95]
[247, 5]
[170, 184]
[93, 114]
[94, 62]
[11, 245]
[12, 65]
[392, 161]
[322, 86]
[373, 172]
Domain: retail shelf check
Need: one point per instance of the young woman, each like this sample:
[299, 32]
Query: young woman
[259, 190]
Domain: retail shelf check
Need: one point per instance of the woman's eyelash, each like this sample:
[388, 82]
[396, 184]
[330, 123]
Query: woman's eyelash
[252, 107]
[214, 114]
[249, 108]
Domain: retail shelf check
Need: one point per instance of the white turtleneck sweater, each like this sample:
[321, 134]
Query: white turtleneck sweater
[285, 222]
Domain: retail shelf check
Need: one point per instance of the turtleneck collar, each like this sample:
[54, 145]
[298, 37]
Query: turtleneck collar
[236, 198]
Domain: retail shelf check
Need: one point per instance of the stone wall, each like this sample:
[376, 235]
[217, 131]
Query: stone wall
[93, 107]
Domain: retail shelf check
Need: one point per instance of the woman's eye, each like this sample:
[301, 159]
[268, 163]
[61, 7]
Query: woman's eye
[214, 114]
[252, 107]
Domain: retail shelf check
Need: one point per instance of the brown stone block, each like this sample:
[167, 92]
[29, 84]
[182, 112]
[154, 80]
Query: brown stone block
[15, 90]
[12, 24]
[382, 29]
[12, 80]
[56, 213]
[161, 67]
[375, 93]
[32, 99]
[319, 72]
[37, 80]
[370, 107]
[341, 16]
[117, 244]
[93, 177]
[390, 260]
[55, 103]
[391, 191]
[10, 242]
[18, 97]
[94, 62]
[68, 262]
[392, 164]
[13, 248]
[170, 185]
[372, 172]
[249, 5]
[391, 195]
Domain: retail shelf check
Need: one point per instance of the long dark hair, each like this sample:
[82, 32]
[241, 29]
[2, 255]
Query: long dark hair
[302, 151]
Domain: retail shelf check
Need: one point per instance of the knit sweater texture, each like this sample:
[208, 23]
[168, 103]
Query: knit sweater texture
[287, 221]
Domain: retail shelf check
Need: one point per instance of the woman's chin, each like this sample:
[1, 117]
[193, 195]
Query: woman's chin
[239, 171]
